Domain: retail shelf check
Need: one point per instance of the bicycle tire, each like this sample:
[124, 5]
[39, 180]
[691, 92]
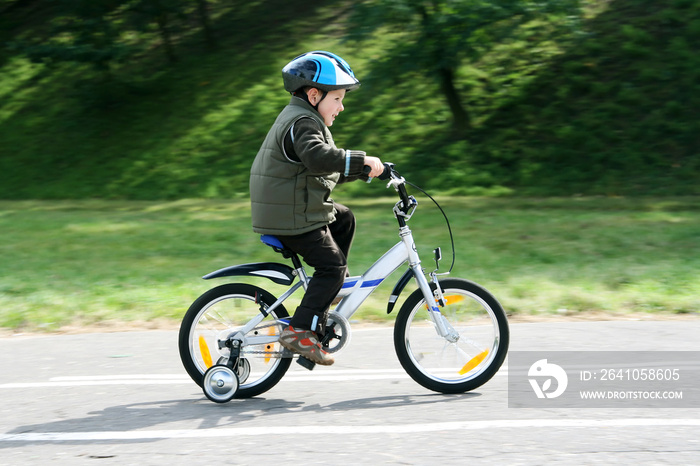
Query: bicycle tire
[215, 315]
[462, 365]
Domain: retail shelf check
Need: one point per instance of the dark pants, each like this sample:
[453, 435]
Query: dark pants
[326, 250]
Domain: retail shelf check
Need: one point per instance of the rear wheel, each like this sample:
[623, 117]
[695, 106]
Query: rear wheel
[220, 313]
[469, 355]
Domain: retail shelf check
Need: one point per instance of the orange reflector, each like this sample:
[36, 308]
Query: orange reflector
[270, 347]
[451, 299]
[473, 362]
[204, 349]
[455, 298]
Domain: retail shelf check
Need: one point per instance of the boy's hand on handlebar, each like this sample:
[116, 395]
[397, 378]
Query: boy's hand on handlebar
[375, 165]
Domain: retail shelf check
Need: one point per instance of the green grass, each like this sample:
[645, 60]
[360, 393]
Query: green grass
[85, 262]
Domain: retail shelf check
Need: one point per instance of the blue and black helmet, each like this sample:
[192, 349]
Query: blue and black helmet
[323, 70]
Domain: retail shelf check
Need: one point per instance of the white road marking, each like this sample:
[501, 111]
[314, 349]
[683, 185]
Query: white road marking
[288, 431]
[333, 375]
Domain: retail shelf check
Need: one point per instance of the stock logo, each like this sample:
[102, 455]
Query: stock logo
[547, 372]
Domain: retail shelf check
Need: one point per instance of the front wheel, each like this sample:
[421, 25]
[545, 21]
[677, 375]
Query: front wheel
[473, 349]
[220, 313]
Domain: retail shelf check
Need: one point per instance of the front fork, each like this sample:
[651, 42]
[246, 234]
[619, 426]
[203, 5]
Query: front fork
[439, 296]
[434, 301]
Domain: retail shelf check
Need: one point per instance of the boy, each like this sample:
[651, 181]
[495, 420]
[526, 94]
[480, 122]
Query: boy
[291, 180]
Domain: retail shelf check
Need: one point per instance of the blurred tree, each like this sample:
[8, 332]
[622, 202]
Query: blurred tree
[436, 36]
[205, 20]
[7, 6]
[162, 14]
[83, 32]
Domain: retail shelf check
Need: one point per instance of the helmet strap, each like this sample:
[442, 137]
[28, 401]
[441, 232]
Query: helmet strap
[323, 96]
[301, 93]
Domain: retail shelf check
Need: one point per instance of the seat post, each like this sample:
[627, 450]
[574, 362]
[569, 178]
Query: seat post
[295, 260]
[277, 246]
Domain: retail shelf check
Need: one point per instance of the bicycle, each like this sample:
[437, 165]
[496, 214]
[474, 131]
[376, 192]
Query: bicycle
[451, 335]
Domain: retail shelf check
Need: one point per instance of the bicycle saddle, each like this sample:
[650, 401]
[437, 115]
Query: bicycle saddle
[276, 245]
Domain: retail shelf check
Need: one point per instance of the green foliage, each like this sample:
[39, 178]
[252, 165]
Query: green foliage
[82, 33]
[434, 38]
[606, 108]
[621, 122]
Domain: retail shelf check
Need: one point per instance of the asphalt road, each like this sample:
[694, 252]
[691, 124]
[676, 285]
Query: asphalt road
[123, 398]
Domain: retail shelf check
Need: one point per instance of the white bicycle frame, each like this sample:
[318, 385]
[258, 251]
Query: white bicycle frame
[356, 289]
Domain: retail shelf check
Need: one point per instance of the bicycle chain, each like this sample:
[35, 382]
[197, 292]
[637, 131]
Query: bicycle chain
[269, 354]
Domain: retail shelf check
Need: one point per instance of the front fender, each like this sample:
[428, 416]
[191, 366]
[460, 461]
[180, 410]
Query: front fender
[278, 273]
[398, 288]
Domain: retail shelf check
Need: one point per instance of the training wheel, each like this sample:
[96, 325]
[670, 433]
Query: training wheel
[220, 384]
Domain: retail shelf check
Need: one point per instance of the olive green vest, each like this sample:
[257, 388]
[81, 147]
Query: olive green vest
[285, 198]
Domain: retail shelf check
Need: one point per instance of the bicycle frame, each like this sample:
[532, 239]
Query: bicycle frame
[356, 289]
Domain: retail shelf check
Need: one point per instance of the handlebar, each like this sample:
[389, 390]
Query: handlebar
[404, 210]
[397, 181]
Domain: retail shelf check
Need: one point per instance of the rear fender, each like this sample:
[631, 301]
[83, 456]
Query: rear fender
[278, 273]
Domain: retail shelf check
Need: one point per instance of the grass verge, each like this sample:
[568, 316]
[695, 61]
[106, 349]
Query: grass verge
[86, 262]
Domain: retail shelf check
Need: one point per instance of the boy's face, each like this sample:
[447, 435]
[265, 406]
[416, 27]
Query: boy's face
[331, 106]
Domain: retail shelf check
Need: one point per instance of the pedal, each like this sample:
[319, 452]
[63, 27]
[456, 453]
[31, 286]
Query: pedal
[306, 363]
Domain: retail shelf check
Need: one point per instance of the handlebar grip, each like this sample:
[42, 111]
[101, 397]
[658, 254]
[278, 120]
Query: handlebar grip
[386, 174]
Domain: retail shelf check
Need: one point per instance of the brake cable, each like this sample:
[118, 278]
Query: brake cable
[447, 221]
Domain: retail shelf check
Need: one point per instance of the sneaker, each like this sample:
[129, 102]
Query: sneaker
[306, 344]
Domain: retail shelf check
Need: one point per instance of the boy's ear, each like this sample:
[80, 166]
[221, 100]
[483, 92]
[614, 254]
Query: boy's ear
[312, 93]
